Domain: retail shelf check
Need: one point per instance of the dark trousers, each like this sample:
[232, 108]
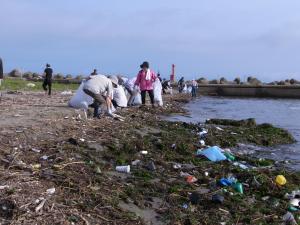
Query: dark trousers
[49, 84]
[98, 100]
[194, 92]
[151, 95]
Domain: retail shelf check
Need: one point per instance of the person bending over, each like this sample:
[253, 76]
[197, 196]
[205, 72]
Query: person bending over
[100, 88]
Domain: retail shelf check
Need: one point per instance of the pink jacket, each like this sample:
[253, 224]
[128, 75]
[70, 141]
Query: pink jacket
[145, 85]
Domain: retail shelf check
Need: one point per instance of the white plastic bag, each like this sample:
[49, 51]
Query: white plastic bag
[80, 100]
[137, 99]
[158, 92]
[120, 96]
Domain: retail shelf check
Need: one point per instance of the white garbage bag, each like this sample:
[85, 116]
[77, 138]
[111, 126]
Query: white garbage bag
[80, 100]
[185, 89]
[120, 96]
[158, 92]
[189, 90]
[137, 99]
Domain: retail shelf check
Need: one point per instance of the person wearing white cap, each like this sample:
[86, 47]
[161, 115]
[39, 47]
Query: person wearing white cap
[100, 88]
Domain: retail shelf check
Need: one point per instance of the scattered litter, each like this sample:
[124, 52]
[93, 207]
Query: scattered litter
[123, 169]
[229, 156]
[185, 206]
[151, 166]
[184, 174]
[219, 128]
[44, 157]
[4, 187]
[66, 93]
[203, 133]
[280, 180]
[177, 166]
[288, 218]
[242, 166]
[31, 85]
[191, 179]
[195, 198]
[82, 140]
[217, 198]
[202, 142]
[135, 162]
[41, 205]
[36, 150]
[50, 191]
[238, 187]
[36, 166]
[173, 146]
[213, 154]
[206, 174]
[295, 202]
[144, 152]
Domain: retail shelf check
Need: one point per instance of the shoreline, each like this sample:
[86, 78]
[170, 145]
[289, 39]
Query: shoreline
[78, 159]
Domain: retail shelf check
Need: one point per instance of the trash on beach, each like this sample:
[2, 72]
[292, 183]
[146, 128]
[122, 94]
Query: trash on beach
[213, 154]
[229, 156]
[225, 182]
[31, 85]
[217, 198]
[185, 206]
[50, 191]
[202, 142]
[219, 128]
[206, 174]
[191, 179]
[123, 169]
[184, 174]
[295, 202]
[41, 205]
[242, 166]
[177, 166]
[44, 157]
[280, 180]
[135, 162]
[4, 187]
[239, 188]
[144, 152]
[195, 198]
[203, 133]
[35, 150]
[36, 166]
[288, 218]
[294, 194]
[66, 93]
[173, 146]
[151, 166]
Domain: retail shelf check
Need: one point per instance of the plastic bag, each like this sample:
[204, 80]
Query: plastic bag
[80, 100]
[137, 99]
[158, 92]
[120, 96]
[213, 154]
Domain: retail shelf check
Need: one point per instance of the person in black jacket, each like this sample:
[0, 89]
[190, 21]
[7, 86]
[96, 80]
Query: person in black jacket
[48, 79]
[1, 70]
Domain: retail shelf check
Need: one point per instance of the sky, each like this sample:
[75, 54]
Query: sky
[203, 38]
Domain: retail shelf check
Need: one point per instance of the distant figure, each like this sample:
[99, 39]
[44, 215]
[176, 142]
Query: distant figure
[159, 77]
[165, 85]
[132, 91]
[181, 84]
[100, 88]
[194, 88]
[48, 79]
[94, 73]
[145, 80]
[1, 71]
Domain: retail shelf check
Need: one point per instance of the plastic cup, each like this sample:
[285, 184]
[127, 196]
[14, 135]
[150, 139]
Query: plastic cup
[123, 169]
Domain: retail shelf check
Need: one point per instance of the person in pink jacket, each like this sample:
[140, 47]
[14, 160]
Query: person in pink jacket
[145, 80]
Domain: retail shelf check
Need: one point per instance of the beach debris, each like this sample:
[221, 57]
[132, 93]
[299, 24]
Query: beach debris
[135, 162]
[202, 142]
[151, 166]
[238, 187]
[66, 93]
[4, 187]
[184, 174]
[44, 157]
[173, 146]
[219, 128]
[7, 209]
[40, 205]
[289, 219]
[295, 202]
[144, 152]
[30, 85]
[35, 150]
[177, 166]
[191, 179]
[217, 198]
[50, 191]
[206, 174]
[294, 194]
[203, 133]
[123, 169]
[213, 154]
[195, 198]
[229, 156]
[185, 206]
[241, 165]
[36, 166]
[280, 180]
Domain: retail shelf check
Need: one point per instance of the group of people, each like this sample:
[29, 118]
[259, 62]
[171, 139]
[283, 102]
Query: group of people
[183, 87]
[106, 90]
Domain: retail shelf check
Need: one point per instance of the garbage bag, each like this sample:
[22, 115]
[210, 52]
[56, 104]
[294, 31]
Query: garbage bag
[137, 99]
[120, 97]
[80, 100]
[214, 154]
[157, 89]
